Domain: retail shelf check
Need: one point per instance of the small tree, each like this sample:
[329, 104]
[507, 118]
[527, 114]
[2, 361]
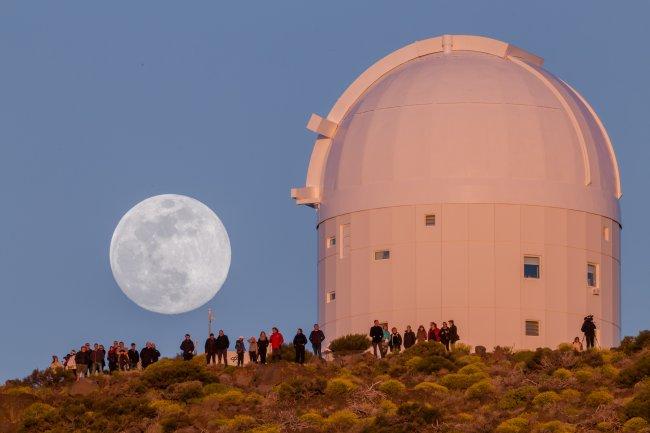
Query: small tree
[350, 343]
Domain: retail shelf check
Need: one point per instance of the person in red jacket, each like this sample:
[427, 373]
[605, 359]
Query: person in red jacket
[276, 343]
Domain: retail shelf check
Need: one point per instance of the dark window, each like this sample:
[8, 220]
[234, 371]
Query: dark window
[430, 220]
[592, 275]
[330, 297]
[531, 267]
[532, 328]
[382, 255]
[331, 241]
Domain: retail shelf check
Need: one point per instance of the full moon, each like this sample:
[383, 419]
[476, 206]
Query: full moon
[170, 254]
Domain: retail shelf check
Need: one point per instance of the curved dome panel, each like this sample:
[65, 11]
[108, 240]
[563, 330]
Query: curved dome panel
[476, 121]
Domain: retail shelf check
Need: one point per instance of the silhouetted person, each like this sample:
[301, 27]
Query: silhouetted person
[409, 337]
[262, 346]
[299, 342]
[377, 336]
[134, 357]
[211, 349]
[148, 355]
[97, 360]
[445, 335]
[453, 333]
[187, 347]
[222, 344]
[81, 359]
[240, 348]
[395, 341]
[589, 329]
[316, 338]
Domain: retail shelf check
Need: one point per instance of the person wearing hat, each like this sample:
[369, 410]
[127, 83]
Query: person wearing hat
[240, 349]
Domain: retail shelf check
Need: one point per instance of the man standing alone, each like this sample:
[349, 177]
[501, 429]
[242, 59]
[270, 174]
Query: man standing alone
[187, 346]
[316, 338]
[589, 329]
[299, 342]
[377, 336]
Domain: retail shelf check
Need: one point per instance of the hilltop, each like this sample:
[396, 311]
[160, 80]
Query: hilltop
[422, 389]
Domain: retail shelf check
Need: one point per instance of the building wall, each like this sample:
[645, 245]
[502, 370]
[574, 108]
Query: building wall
[469, 267]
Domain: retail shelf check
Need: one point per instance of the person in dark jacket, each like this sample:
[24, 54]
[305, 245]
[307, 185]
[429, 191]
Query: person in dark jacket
[90, 361]
[299, 342]
[589, 329]
[377, 335]
[81, 359]
[222, 344]
[453, 333]
[112, 357]
[316, 338]
[187, 347]
[395, 341]
[262, 347]
[134, 357]
[97, 360]
[445, 335]
[240, 348]
[148, 355]
[409, 337]
[434, 332]
[211, 349]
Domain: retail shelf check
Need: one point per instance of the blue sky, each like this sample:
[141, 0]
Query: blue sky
[103, 104]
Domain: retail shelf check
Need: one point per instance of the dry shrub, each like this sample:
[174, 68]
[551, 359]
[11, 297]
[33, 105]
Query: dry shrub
[555, 427]
[635, 425]
[392, 387]
[599, 397]
[562, 373]
[430, 388]
[481, 390]
[513, 425]
[518, 397]
[339, 387]
[184, 391]
[461, 381]
[545, 399]
[342, 420]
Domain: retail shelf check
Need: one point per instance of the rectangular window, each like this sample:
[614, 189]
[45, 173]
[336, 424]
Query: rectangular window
[331, 296]
[592, 275]
[531, 267]
[331, 241]
[532, 328]
[382, 255]
[606, 233]
[430, 220]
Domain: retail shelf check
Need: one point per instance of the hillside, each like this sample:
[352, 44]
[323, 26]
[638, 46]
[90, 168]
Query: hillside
[423, 389]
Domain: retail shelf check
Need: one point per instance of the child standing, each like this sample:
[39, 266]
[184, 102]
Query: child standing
[241, 349]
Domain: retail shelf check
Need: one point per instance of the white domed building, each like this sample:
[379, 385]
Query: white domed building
[458, 179]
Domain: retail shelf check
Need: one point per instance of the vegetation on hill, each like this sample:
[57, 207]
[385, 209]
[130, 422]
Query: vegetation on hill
[422, 389]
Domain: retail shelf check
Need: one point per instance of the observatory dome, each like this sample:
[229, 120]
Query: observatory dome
[463, 119]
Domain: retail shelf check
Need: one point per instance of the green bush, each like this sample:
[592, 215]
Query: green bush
[461, 381]
[166, 407]
[392, 387]
[639, 406]
[518, 397]
[38, 416]
[433, 363]
[562, 373]
[546, 398]
[342, 420]
[215, 388]
[184, 391]
[555, 427]
[350, 343]
[635, 425]
[301, 387]
[430, 388]
[473, 368]
[570, 395]
[637, 371]
[339, 387]
[469, 359]
[419, 413]
[584, 375]
[313, 420]
[513, 425]
[630, 345]
[599, 397]
[174, 421]
[166, 372]
[481, 390]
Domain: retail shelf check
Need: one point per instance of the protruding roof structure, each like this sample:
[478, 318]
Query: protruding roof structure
[460, 119]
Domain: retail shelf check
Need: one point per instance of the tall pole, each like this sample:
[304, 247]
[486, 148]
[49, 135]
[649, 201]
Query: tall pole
[210, 318]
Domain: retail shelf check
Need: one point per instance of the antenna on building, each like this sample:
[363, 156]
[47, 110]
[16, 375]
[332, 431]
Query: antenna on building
[210, 319]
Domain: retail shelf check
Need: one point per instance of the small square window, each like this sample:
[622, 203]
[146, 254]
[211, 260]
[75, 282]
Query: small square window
[532, 328]
[382, 255]
[531, 267]
[331, 241]
[330, 296]
[592, 275]
[430, 220]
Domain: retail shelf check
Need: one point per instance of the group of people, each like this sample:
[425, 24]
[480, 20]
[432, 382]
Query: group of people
[90, 360]
[384, 340]
[216, 348]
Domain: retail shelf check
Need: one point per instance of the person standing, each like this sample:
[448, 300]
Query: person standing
[384, 342]
[409, 337]
[146, 355]
[187, 347]
[81, 359]
[112, 357]
[211, 350]
[316, 338]
[252, 350]
[240, 349]
[55, 365]
[589, 329]
[422, 334]
[71, 362]
[222, 344]
[445, 335]
[262, 347]
[453, 333]
[97, 359]
[376, 335]
[155, 352]
[123, 359]
[395, 341]
[89, 356]
[276, 344]
[134, 357]
[103, 350]
[299, 342]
